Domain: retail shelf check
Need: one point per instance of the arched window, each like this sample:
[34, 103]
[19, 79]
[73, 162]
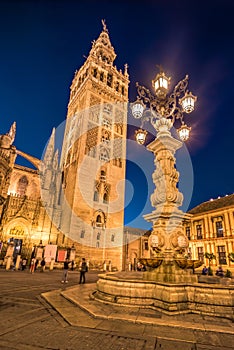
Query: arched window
[99, 219]
[96, 196]
[98, 236]
[105, 198]
[101, 76]
[105, 136]
[109, 79]
[95, 72]
[103, 176]
[22, 186]
[104, 155]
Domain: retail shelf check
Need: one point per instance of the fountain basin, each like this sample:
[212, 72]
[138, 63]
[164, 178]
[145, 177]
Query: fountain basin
[127, 289]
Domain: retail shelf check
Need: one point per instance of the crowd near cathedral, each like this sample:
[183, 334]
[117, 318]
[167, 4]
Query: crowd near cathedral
[68, 204]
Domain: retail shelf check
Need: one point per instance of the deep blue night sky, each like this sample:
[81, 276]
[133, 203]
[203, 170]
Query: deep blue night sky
[43, 42]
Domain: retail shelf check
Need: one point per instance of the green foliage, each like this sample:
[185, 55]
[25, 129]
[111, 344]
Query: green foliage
[210, 271]
[210, 256]
[228, 274]
[231, 256]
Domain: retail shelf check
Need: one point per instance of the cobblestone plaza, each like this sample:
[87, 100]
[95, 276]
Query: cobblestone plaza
[29, 321]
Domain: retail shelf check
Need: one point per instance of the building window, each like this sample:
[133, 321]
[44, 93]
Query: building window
[22, 186]
[222, 255]
[105, 136]
[146, 245]
[107, 108]
[104, 155]
[106, 123]
[117, 162]
[101, 76]
[105, 198]
[219, 228]
[113, 237]
[103, 176]
[188, 233]
[98, 236]
[109, 79]
[200, 253]
[98, 221]
[96, 196]
[82, 234]
[199, 231]
[95, 72]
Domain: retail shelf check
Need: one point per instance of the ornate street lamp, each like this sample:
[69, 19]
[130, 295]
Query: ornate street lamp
[168, 243]
[162, 107]
[140, 135]
[160, 85]
[183, 132]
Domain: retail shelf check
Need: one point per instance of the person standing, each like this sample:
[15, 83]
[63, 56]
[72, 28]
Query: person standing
[43, 265]
[83, 270]
[65, 271]
[24, 263]
[32, 265]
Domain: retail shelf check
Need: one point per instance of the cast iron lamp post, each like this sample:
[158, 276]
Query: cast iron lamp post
[167, 242]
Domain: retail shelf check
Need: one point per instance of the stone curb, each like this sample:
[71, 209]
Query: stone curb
[91, 307]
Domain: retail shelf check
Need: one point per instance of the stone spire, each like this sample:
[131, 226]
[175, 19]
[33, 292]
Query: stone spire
[102, 48]
[12, 132]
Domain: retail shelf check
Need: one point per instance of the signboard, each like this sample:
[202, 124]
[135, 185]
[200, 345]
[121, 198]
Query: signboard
[50, 252]
[62, 254]
[39, 253]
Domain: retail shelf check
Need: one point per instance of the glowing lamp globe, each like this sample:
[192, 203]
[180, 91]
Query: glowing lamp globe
[160, 84]
[140, 136]
[188, 102]
[137, 108]
[184, 132]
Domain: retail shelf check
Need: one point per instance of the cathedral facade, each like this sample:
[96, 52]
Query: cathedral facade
[74, 196]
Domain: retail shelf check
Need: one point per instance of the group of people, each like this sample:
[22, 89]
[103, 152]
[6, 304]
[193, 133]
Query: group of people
[34, 263]
[219, 271]
[83, 268]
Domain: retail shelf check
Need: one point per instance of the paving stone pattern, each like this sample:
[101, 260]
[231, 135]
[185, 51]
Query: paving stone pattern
[29, 322]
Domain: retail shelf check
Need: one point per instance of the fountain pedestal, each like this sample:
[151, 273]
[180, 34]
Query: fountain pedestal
[169, 272]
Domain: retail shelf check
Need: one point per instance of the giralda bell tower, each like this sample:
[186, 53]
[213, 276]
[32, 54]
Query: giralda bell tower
[93, 157]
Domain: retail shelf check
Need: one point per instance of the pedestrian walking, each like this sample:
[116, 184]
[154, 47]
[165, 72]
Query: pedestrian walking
[83, 270]
[65, 271]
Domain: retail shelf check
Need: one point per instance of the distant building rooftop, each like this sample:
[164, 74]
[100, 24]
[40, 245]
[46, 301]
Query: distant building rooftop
[136, 231]
[213, 204]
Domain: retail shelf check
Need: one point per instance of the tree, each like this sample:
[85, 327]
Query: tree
[210, 256]
[231, 256]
